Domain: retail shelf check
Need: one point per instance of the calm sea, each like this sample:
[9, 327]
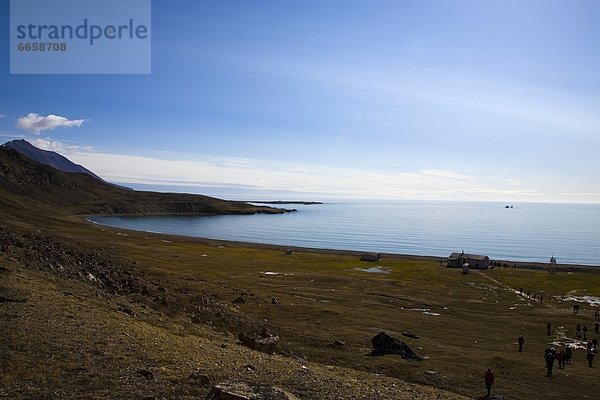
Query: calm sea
[527, 232]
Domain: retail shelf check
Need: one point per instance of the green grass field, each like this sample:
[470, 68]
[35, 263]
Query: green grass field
[466, 323]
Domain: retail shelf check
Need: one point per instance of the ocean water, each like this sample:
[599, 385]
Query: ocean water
[527, 232]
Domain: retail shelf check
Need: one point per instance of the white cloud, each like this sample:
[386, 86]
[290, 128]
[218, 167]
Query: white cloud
[59, 147]
[35, 123]
[2, 115]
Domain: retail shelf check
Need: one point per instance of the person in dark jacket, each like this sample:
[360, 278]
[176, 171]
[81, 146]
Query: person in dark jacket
[560, 357]
[489, 381]
[549, 356]
[521, 341]
[590, 358]
[568, 354]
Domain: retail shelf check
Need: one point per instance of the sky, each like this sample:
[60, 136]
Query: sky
[424, 99]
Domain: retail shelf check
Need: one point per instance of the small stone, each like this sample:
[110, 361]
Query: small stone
[147, 374]
[198, 377]
[124, 309]
[195, 319]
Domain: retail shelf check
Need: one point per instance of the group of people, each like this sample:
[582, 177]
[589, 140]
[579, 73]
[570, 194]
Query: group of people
[564, 355]
[533, 296]
[578, 330]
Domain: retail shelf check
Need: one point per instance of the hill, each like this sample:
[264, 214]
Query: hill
[49, 158]
[37, 185]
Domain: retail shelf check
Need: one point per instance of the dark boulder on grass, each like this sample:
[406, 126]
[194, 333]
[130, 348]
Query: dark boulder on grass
[265, 342]
[385, 344]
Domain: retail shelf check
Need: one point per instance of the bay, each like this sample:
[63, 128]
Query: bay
[527, 232]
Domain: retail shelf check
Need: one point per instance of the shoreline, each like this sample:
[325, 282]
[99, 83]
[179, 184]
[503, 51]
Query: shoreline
[508, 264]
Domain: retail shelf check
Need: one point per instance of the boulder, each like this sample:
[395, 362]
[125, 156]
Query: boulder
[124, 309]
[234, 390]
[385, 344]
[265, 342]
[410, 335]
[198, 377]
[147, 374]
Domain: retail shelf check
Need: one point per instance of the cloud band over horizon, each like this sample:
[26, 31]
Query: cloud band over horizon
[303, 180]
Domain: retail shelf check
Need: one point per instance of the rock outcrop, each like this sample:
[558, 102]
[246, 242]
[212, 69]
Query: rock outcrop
[385, 344]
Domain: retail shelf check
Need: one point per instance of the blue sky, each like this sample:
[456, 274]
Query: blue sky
[494, 100]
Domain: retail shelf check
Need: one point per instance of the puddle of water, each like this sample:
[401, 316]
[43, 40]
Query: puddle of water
[373, 270]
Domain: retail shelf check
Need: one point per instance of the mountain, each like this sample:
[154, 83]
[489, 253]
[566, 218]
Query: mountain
[29, 185]
[50, 158]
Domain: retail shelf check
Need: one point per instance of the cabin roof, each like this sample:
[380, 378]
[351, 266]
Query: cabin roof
[456, 256]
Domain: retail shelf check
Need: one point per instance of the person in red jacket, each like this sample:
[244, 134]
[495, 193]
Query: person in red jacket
[489, 381]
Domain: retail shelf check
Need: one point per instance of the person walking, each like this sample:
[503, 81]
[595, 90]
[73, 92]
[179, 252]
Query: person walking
[578, 330]
[489, 381]
[597, 316]
[521, 341]
[541, 299]
[590, 358]
[568, 354]
[549, 356]
[560, 357]
[548, 328]
[585, 331]
[597, 327]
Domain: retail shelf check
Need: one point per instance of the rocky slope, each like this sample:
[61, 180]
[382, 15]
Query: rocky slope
[79, 322]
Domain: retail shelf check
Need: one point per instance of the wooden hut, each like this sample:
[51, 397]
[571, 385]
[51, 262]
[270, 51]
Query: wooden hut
[458, 260]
